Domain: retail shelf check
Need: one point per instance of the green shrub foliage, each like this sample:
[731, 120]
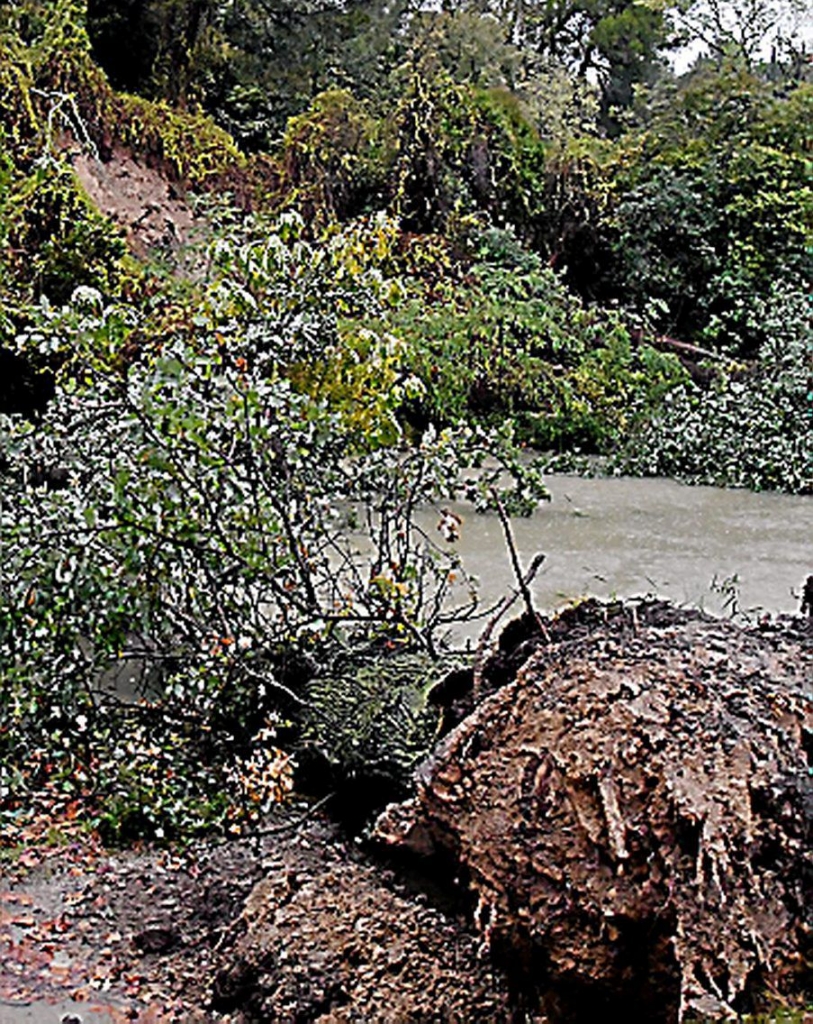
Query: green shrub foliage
[752, 428]
[711, 205]
[185, 514]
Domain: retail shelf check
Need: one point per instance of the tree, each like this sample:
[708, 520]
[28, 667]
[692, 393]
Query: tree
[153, 46]
[283, 54]
[618, 42]
[232, 504]
[251, 63]
[696, 217]
[742, 31]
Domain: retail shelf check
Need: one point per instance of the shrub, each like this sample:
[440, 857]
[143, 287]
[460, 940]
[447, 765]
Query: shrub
[708, 205]
[510, 339]
[751, 429]
[217, 523]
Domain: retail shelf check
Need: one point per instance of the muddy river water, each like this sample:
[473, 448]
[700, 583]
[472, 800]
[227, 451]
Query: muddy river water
[624, 537]
[621, 537]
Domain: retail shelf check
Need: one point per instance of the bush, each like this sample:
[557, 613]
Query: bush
[334, 159]
[509, 339]
[213, 523]
[708, 205]
[61, 240]
[751, 429]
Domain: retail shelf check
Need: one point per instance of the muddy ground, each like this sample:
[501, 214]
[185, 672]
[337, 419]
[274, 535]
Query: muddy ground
[114, 936]
[156, 936]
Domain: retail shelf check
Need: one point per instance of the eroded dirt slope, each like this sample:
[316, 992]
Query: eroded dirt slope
[154, 211]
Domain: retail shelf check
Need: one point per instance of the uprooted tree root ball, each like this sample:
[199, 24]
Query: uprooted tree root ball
[633, 813]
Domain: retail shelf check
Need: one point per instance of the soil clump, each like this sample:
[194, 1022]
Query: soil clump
[623, 823]
[634, 812]
[299, 926]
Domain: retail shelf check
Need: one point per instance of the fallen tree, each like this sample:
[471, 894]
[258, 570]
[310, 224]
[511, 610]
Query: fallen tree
[632, 811]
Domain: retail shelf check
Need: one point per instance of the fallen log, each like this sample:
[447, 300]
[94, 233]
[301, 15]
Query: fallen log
[682, 348]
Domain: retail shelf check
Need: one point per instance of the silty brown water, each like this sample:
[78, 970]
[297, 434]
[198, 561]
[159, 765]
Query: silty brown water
[624, 537]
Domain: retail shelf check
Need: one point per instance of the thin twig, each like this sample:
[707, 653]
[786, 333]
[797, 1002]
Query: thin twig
[524, 589]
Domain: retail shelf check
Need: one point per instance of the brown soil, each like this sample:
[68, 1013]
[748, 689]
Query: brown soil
[117, 936]
[160, 937]
[154, 212]
[633, 813]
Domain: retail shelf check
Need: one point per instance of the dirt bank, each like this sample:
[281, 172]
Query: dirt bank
[185, 937]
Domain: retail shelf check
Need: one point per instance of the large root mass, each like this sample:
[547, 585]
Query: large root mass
[633, 813]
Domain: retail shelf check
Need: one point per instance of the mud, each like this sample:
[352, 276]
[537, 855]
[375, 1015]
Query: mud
[298, 925]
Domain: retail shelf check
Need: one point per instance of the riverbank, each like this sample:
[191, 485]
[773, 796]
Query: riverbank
[150, 935]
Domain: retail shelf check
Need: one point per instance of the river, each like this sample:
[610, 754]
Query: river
[619, 537]
[626, 537]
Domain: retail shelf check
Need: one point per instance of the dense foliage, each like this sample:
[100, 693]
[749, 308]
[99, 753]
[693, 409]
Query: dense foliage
[455, 230]
[749, 429]
[711, 205]
[218, 515]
